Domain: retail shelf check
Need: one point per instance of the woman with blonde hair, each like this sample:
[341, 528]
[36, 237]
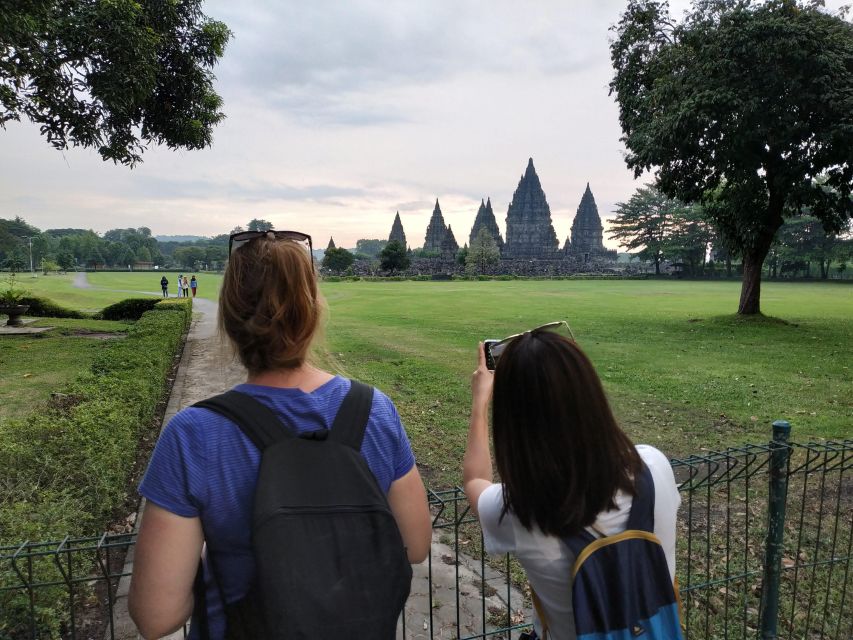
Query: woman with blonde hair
[202, 477]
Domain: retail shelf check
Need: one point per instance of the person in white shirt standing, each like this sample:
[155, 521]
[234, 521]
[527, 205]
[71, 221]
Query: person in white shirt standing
[564, 463]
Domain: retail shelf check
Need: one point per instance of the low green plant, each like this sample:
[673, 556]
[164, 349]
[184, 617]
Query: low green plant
[44, 308]
[129, 309]
[12, 294]
[65, 469]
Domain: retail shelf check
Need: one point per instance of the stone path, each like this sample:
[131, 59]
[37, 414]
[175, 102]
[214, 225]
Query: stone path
[207, 369]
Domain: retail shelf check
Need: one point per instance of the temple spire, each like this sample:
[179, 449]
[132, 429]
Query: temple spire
[331, 244]
[397, 234]
[435, 231]
[529, 230]
[485, 219]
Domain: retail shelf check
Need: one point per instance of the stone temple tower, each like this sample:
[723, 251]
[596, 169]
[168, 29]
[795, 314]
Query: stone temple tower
[486, 219]
[587, 232]
[435, 231]
[449, 247]
[397, 232]
[529, 231]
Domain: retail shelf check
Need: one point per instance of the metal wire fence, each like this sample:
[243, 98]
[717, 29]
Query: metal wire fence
[764, 550]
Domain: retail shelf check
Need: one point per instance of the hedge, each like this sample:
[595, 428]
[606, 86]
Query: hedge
[44, 308]
[65, 470]
[130, 309]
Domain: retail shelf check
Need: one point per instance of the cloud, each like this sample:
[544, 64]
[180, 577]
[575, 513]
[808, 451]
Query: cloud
[327, 62]
[248, 191]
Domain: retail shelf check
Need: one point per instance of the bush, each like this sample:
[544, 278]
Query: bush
[130, 309]
[44, 308]
[65, 470]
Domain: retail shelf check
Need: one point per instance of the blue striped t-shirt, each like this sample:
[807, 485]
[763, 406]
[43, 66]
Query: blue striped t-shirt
[203, 466]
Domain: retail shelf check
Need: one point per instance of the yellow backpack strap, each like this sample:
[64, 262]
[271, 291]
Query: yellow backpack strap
[592, 547]
[540, 612]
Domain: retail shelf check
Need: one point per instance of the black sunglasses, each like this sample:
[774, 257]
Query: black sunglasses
[237, 240]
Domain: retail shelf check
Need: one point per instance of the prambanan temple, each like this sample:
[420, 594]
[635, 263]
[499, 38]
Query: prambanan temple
[530, 235]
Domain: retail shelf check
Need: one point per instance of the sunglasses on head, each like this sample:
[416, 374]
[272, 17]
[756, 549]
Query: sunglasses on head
[237, 240]
[494, 348]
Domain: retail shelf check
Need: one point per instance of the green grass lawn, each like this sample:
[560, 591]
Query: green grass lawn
[107, 288]
[33, 366]
[681, 370]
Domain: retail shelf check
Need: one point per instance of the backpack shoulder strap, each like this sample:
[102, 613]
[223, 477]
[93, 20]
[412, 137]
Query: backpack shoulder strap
[351, 420]
[642, 516]
[255, 419]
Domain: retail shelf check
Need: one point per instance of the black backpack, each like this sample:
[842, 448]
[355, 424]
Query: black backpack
[330, 561]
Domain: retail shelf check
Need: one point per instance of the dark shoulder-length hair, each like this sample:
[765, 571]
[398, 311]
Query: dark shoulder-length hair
[559, 452]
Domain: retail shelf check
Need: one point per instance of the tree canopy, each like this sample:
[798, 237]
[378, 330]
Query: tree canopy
[393, 257]
[483, 252]
[113, 76]
[745, 106]
[337, 260]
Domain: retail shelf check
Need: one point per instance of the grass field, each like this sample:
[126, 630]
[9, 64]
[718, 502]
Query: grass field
[106, 288]
[32, 366]
[682, 371]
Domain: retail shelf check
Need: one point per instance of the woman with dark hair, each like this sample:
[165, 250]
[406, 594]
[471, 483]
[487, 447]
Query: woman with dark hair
[201, 480]
[564, 463]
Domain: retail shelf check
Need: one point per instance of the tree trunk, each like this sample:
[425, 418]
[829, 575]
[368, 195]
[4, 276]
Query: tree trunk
[750, 292]
[657, 266]
[728, 266]
[824, 269]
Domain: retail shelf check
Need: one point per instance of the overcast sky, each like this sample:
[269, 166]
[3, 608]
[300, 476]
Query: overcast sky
[340, 114]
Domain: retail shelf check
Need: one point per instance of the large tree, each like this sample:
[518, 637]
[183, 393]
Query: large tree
[337, 260]
[115, 76]
[644, 223]
[394, 257]
[744, 104]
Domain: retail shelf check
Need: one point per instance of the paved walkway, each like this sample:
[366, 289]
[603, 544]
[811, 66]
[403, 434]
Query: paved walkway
[207, 369]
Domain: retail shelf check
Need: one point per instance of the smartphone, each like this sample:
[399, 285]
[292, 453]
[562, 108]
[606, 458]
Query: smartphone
[491, 359]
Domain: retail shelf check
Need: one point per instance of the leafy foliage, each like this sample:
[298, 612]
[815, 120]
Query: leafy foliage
[644, 223]
[44, 308]
[65, 468]
[482, 253]
[130, 309]
[394, 257]
[370, 247]
[114, 76]
[337, 260]
[742, 106]
[257, 224]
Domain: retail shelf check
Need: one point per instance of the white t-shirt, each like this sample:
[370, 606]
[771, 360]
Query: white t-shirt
[548, 562]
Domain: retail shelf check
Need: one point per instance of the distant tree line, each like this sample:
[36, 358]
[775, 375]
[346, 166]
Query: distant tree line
[69, 249]
[666, 230]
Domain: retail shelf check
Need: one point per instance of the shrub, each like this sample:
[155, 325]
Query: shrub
[130, 309]
[65, 469]
[44, 308]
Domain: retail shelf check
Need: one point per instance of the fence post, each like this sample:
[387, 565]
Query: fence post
[769, 612]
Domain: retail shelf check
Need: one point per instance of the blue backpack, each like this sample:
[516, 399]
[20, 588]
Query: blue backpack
[621, 589]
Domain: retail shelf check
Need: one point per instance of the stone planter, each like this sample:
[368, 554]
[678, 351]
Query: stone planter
[14, 311]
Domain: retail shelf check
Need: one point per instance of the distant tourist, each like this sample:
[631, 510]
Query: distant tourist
[569, 475]
[186, 287]
[200, 483]
[193, 285]
[164, 285]
[180, 285]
